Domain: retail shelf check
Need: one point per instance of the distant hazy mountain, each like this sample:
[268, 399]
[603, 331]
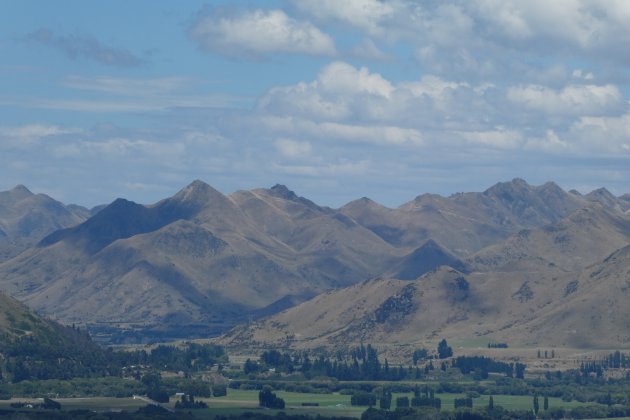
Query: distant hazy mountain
[208, 260]
[606, 198]
[564, 284]
[467, 222]
[584, 237]
[26, 218]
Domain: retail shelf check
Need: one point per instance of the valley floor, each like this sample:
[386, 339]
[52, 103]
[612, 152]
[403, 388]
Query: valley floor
[241, 401]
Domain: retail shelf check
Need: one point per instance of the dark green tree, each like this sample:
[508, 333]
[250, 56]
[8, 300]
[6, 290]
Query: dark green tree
[219, 390]
[363, 398]
[386, 400]
[546, 403]
[51, 404]
[444, 350]
[268, 399]
[491, 403]
[158, 394]
[250, 367]
[306, 364]
[419, 354]
[463, 403]
[536, 406]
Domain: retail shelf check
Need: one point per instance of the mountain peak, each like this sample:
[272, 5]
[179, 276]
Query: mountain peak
[551, 190]
[366, 201]
[20, 192]
[519, 181]
[603, 196]
[425, 258]
[282, 191]
[197, 185]
[121, 204]
[21, 188]
[601, 192]
[362, 203]
[550, 185]
[197, 191]
[517, 184]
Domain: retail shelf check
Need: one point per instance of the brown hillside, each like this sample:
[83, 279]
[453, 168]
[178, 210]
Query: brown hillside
[26, 218]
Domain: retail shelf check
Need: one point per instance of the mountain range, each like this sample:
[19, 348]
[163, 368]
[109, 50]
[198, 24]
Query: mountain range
[201, 262]
[563, 285]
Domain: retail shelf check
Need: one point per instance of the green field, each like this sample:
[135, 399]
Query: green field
[239, 401]
[90, 403]
[509, 402]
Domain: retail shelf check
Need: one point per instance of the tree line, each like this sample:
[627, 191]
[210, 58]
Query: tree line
[75, 355]
[363, 364]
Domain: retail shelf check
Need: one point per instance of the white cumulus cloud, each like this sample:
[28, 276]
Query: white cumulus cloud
[572, 99]
[257, 33]
[367, 15]
[603, 134]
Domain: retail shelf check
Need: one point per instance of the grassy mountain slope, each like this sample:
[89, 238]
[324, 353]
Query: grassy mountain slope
[208, 259]
[197, 257]
[553, 286]
[31, 346]
[26, 218]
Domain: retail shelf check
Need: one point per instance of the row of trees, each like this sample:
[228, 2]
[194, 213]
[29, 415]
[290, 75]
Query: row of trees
[360, 363]
[483, 365]
[157, 390]
[616, 360]
[77, 356]
[189, 358]
[188, 402]
[364, 364]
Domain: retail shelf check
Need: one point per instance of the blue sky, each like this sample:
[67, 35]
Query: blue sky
[337, 100]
